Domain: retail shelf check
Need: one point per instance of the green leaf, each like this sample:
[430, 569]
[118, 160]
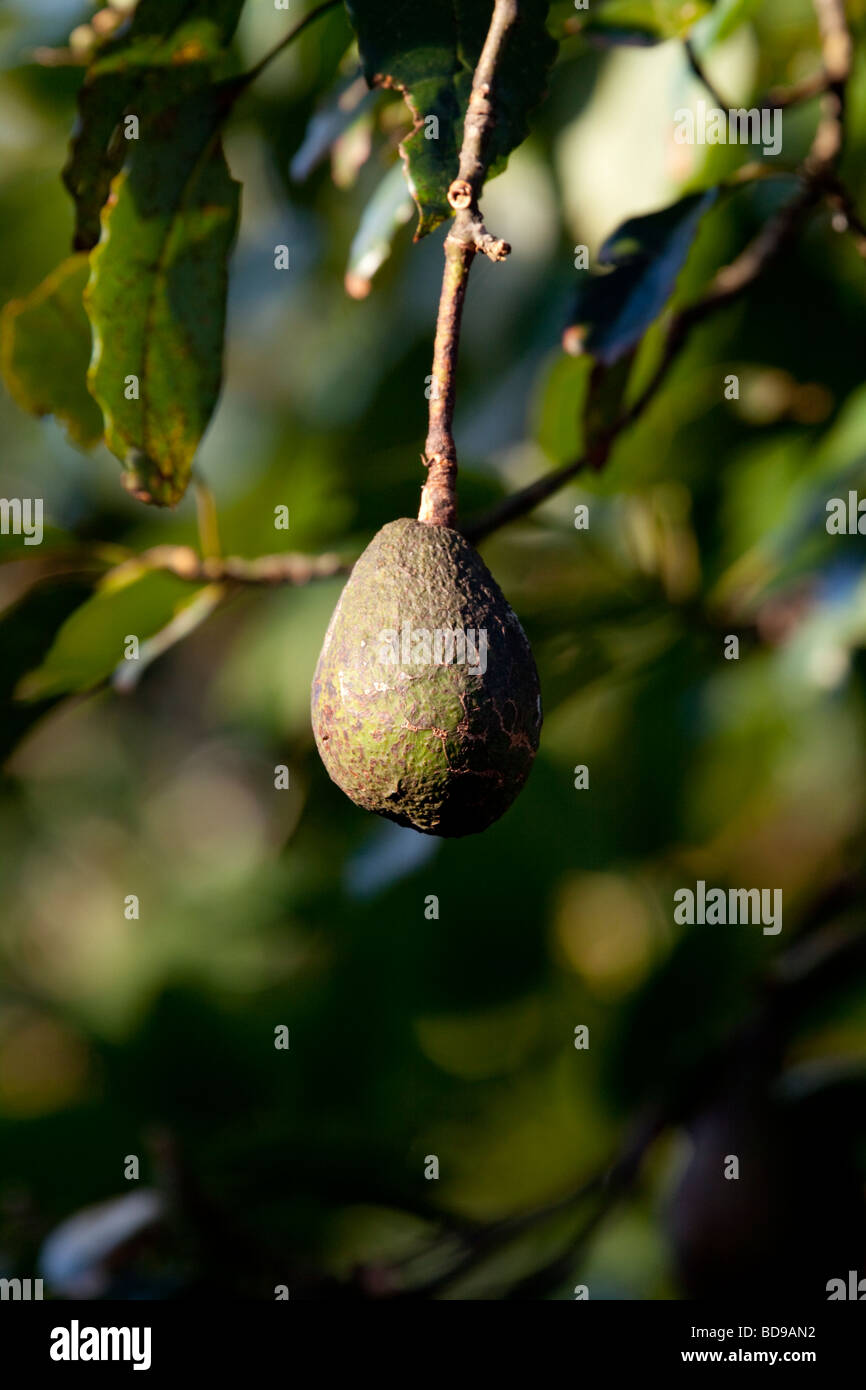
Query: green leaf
[45, 346]
[724, 19]
[643, 22]
[614, 310]
[157, 295]
[429, 52]
[560, 407]
[604, 403]
[170, 47]
[388, 209]
[90, 644]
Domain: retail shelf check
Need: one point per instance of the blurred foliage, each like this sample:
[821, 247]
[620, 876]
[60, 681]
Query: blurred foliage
[262, 907]
[643, 259]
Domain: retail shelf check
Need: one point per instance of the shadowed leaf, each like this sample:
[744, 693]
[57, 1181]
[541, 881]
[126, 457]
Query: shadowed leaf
[614, 310]
[157, 295]
[429, 51]
[45, 347]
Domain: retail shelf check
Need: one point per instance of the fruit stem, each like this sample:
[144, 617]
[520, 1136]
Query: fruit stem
[468, 235]
[439, 495]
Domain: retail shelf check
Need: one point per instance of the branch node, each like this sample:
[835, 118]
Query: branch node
[818, 180]
[493, 247]
[467, 236]
[460, 194]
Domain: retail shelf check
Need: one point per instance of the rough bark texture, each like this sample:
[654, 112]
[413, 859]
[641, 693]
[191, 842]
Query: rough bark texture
[467, 236]
[431, 744]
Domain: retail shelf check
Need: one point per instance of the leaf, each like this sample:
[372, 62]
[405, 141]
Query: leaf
[45, 344]
[27, 630]
[429, 52]
[340, 110]
[190, 616]
[643, 22]
[388, 209]
[170, 47]
[723, 20]
[90, 644]
[77, 1255]
[603, 404]
[157, 296]
[614, 310]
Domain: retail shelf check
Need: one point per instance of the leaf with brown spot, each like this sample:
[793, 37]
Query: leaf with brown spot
[157, 296]
[169, 48]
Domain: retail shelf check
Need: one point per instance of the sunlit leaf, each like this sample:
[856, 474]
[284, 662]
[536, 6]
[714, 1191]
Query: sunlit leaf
[169, 47]
[91, 643]
[643, 22]
[723, 20]
[45, 345]
[157, 296]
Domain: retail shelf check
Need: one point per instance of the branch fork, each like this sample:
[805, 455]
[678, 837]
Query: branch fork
[818, 182]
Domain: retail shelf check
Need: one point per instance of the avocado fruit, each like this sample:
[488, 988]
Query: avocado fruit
[426, 705]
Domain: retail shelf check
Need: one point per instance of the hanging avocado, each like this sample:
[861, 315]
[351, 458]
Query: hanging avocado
[426, 705]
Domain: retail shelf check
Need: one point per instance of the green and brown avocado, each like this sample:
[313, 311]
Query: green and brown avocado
[433, 731]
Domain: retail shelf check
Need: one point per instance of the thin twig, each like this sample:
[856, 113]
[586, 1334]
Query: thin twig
[467, 235]
[781, 98]
[846, 218]
[729, 283]
[284, 42]
[127, 674]
[837, 51]
[263, 571]
[479, 1243]
[818, 181]
[185, 563]
[817, 964]
[465, 190]
[439, 494]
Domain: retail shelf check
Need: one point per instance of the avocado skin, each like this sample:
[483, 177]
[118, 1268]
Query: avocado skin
[429, 746]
